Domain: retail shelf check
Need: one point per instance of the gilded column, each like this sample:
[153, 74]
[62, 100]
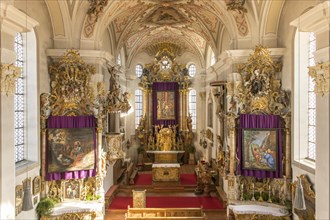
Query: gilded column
[287, 146]
[145, 102]
[184, 109]
[150, 110]
[180, 110]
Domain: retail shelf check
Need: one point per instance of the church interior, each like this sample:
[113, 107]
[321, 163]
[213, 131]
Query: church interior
[164, 109]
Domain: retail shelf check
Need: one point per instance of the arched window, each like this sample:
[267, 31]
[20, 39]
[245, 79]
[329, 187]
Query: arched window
[192, 70]
[138, 70]
[138, 106]
[25, 100]
[192, 106]
[213, 60]
[118, 61]
[311, 101]
[19, 101]
[305, 130]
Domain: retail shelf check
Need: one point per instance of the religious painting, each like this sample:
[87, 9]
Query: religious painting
[71, 189]
[36, 185]
[18, 199]
[166, 105]
[70, 149]
[260, 149]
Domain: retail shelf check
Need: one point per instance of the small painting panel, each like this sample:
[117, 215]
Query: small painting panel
[166, 105]
[260, 149]
[36, 185]
[71, 189]
[70, 149]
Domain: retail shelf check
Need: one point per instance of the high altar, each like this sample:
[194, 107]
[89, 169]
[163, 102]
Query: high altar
[165, 130]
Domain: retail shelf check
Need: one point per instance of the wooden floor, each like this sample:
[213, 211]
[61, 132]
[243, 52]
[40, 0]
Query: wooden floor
[210, 214]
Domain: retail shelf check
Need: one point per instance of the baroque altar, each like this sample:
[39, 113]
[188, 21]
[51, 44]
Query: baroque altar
[165, 124]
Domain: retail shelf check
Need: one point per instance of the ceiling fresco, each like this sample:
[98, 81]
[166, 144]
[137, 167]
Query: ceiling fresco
[192, 25]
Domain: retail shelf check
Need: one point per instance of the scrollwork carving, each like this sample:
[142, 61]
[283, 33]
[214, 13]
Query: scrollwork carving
[260, 90]
[116, 101]
[8, 76]
[321, 76]
[71, 93]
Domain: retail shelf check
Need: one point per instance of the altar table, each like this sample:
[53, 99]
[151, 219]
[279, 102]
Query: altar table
[166, 172]
[166, 156]
[246, 212]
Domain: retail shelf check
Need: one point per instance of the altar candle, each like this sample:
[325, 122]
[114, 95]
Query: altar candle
[252, 185]
[270, 187]
[242, 186]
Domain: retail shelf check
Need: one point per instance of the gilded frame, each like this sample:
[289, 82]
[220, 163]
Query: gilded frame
[260, 149]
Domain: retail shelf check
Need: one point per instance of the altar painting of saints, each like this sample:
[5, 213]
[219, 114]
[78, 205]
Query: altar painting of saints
[165, 105]
[70, 149]
[259, 149]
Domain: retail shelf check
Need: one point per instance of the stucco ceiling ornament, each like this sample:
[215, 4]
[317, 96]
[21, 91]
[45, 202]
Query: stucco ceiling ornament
[94, 12]
[165, 69]
[321, 77]
[238, 11]
[9, 73]
[260, 90]
[71, 93]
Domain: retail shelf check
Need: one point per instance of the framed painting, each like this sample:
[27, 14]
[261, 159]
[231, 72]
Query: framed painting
[166, 105]
[36, 185]
[70, 149]
[259, 149]
[71, 189]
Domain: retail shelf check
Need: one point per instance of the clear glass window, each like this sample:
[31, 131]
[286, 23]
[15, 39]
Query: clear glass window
[192, 70]
[192, 106]
[138, 106]
[19, 101]
[138, 70]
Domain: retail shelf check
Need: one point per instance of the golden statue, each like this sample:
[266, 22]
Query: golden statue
[165, 139]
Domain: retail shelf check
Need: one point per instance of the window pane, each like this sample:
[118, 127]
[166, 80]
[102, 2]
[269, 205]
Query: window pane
[19, 101]
[138, 107]
[192, 106]
[138, 70]
[192, 70]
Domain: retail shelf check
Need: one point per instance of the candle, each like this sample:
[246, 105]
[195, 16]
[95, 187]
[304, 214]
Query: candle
[270, 187]
[252, 185]
[242, 186]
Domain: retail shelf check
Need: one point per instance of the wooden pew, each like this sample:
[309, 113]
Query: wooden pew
[165, 213]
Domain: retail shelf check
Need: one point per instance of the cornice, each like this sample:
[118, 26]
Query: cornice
[92, 56]
[316, 20]
[14, 20]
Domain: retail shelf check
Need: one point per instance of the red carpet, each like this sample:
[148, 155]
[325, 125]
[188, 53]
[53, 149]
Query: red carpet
[170, 202]
[146, 179]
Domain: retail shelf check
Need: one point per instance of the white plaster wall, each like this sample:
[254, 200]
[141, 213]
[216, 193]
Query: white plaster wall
[286, 33]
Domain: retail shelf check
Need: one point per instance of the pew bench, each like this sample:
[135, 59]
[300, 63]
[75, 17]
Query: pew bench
[165, 213]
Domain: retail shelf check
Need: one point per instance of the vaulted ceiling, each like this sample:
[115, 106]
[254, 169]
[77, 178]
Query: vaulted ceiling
[144, 25]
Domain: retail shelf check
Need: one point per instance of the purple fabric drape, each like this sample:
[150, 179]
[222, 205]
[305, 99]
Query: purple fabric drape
[71, 122]
[165, 86]
[260, 121]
